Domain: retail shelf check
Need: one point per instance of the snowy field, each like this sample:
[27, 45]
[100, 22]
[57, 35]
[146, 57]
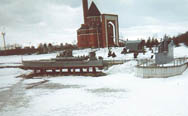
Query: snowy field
[119, 93]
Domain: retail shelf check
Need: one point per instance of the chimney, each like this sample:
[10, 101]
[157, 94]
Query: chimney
[85, 10]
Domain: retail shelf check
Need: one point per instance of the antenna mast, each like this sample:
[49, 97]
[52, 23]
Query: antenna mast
[3, 34]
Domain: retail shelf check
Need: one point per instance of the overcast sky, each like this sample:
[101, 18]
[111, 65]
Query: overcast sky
[39, 21]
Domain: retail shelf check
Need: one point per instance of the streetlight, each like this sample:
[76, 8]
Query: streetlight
[3, 34]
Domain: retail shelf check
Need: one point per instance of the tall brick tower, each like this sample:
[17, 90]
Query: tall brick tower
[99, 30]
[85, 10]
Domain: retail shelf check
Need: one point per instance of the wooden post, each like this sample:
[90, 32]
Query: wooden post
[81, 70]
[53, 70]
[41, 70]
[35, 71]
[69, 70]
[61, 70]
[87, 69]
[74, 70]
[44, 70]
[94, 70]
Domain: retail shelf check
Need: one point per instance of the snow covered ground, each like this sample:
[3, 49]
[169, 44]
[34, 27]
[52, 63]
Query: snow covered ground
[119, 93]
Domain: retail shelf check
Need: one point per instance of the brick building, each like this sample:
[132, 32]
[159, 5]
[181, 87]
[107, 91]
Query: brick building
[99, 30]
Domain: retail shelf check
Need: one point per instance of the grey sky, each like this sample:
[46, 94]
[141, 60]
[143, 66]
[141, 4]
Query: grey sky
[36, 21]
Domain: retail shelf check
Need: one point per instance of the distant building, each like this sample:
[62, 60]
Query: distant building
[134, 46]
[99, 30]
[165, 52]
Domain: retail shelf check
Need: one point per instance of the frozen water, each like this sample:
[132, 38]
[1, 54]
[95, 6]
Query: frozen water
[119, 93]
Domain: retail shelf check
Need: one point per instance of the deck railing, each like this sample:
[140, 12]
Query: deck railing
[148, 69]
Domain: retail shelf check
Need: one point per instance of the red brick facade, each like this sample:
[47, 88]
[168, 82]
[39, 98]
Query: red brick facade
[99, 30]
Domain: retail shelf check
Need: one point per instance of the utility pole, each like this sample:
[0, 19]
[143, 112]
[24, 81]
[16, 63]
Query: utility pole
[3, 34]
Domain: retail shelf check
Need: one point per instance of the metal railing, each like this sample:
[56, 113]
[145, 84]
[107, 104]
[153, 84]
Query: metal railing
[151, 62]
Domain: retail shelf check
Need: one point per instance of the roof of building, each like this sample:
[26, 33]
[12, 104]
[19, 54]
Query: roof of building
[93, 10]
[133, 45]
[134, 42]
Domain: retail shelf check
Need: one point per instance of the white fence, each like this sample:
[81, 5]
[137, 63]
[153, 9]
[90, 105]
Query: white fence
[150, 70]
